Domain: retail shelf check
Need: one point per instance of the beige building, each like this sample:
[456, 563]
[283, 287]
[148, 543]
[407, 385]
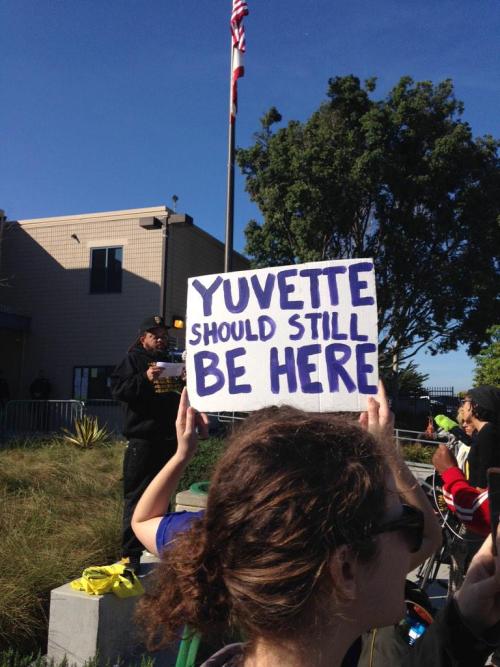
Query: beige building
[77, 287]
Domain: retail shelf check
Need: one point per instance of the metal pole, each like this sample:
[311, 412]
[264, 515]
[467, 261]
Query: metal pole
[164, 257]
[228, 248]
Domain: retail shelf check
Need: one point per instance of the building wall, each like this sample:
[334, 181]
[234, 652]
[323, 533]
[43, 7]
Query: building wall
[192, 252]
[49, 270]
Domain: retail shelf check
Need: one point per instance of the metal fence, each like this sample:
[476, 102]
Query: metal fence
[418, 437]
[45, 417]
[21, 418]
[32, 417]
[109, 413]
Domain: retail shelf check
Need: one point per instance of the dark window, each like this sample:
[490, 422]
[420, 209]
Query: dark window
[105, 270]
[91, 382]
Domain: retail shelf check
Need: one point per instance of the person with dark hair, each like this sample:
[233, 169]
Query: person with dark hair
[311, 526]
[465, 491]
[151, 409]
[481, 407]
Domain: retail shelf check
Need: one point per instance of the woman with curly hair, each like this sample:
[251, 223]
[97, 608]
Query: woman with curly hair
[312, 524]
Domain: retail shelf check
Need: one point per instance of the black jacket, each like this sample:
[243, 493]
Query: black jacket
[484, 454]
[149, 415]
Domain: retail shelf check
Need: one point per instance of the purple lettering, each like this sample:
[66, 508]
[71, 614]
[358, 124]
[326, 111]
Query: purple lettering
[335, 366]
[357, 285]
[195, 330]
[204, 370]
[234, 372]
[314, 318]
[294, 321]
[363, 368]
[244, 295]
[287, 368]
[313, 275]
[207, 293]
[354, 329]
[306, 368]
[262, 321]
[336, 335]
[265, 293]
[331, 273]
[286, 289]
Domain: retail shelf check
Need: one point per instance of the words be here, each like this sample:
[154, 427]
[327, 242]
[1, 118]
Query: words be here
[297, 367]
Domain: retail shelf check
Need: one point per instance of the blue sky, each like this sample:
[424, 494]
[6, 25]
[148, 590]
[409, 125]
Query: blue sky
[121, 104]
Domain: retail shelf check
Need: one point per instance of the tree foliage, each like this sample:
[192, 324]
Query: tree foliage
[401, 180]
[488, 360]
[408, 380]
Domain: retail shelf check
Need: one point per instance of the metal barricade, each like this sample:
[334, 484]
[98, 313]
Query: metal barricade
[34, 417]
[417, 437]
[109, 413]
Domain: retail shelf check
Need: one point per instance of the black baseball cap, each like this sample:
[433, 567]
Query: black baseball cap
[153, 322]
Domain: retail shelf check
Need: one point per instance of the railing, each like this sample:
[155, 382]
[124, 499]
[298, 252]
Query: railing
[35, 417]
[418, 437]
[108, 412]
[23, 417]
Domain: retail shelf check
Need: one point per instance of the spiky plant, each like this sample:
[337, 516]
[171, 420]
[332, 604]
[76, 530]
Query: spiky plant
[87, 433]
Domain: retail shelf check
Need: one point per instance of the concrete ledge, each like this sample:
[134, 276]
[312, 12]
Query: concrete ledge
[82, 626]
[189, 501]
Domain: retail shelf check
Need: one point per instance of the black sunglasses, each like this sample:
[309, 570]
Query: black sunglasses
[410, 523]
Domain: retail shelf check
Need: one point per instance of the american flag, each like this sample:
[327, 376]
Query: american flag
[240, 9]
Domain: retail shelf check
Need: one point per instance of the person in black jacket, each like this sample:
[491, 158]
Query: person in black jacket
[151, 409]
[481, 406]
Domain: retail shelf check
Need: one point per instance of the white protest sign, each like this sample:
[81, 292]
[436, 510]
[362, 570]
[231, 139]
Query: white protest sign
[302, 335]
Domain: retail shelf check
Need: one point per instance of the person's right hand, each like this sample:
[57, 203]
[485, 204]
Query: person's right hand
[190, 426]
[443, 459]
[153, 373]
[478, 599]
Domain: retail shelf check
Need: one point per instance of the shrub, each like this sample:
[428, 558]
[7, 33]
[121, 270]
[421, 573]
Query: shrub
[418, 453]
[87, 433]
[201, 466]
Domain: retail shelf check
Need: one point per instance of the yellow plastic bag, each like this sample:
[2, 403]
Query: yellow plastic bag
[116, 578]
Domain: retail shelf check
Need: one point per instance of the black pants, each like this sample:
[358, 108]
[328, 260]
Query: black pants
[143, 460]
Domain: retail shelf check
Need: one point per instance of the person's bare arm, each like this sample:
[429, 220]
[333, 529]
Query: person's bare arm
[153, 504]
[379, 420]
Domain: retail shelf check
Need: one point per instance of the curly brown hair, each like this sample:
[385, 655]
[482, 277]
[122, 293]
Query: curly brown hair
[290, 488]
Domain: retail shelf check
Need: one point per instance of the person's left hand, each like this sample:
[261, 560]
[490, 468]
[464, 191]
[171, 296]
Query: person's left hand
[478, 599]
[443, 459]
[190, 425]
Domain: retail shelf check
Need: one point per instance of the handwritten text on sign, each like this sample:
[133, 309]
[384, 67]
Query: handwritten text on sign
[304, 335]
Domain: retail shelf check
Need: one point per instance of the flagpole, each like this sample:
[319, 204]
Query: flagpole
[228, 248]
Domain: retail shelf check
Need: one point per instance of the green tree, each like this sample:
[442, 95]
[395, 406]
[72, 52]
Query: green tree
[401, 180]
[409, 380]
[488, 360]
